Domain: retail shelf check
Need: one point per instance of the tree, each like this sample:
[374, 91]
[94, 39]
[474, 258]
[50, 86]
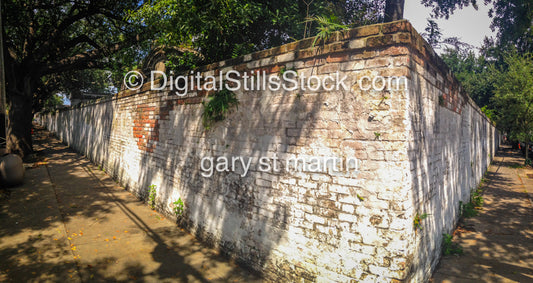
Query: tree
[514, 96]
[513, 19]
[218, 30]
[433, 35]
[394, 10]
[444, 8]
[52, 103]
[474, 73]
[46, 38]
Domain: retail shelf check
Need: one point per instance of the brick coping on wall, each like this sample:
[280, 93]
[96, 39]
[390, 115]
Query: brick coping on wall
[366, 37]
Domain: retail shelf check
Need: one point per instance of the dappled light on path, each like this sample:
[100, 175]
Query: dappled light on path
[498, 243]
[69, 221]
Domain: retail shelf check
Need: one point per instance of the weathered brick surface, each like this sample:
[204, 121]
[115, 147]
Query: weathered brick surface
[417, 153]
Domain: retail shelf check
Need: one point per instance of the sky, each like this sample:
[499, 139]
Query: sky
[469, 24]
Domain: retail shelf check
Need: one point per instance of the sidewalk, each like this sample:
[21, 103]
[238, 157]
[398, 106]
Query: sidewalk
[498, 243]
[71, 222]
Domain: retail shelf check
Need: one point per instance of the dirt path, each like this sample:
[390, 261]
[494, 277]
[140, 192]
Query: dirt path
[498, 243]
[71, 222]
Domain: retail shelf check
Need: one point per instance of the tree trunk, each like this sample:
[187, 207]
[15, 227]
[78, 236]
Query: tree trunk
[394, 10]
[20, 116]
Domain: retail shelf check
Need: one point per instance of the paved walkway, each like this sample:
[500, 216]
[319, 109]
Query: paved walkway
[71, 222]
[498, 243]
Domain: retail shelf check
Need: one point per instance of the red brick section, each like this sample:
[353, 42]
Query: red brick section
[146, 125]
[147, 119]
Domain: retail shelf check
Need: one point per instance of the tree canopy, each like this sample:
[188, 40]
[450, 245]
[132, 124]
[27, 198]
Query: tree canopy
[514, 96]
[223, 29]
[49, 37]
[511, 19]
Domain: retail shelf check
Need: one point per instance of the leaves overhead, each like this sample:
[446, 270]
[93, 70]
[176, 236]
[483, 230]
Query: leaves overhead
[473, 72]
[51, 41]
[223, 29]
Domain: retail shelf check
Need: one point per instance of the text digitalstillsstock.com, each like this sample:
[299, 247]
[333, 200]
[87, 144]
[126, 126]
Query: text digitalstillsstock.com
[289, 80]
[312, 164]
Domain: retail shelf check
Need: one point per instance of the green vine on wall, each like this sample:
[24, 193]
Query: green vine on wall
[216, 108]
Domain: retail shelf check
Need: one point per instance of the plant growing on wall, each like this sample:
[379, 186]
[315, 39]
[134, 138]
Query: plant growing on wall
[326, 27]
[417, 222]
[216, 108]
[152, 192]
[178, 207]
[441, 100]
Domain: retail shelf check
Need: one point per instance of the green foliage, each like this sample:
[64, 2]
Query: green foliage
[52, 103]
[476, 198]
[152, 194]
[377, 135]
[490, 113]
[77, 84]
[178, 207]
[467, 209]
[449, 247]
[215, 27]
[216, 108]
[183, 62]
[510, 18]
[441, 100]
[45, 41]
[473, 72]
[418, 219]
[284, 69]
[224, 29]
[514, 96]
[61, 31]
[360, 197]
[471, 208]
[326, 27]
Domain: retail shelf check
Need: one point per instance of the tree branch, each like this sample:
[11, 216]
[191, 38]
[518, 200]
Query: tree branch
[90, 59]
[80, 39]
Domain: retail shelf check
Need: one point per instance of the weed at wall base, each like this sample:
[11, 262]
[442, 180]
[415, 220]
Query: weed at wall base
[449, 247]
[152, 193]
[178, 207]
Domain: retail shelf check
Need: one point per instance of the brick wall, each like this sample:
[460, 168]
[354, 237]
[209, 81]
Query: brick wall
[417, 153]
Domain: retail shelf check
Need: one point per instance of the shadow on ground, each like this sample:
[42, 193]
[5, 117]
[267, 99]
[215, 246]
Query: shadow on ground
[498, 243]
[70, 222]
